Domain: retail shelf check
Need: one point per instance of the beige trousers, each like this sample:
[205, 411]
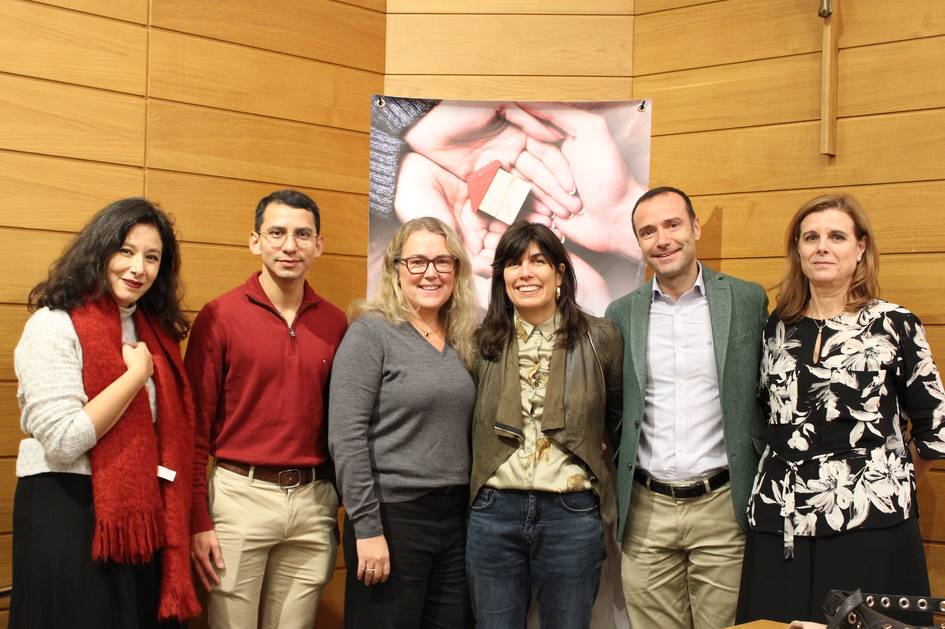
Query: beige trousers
[279, 549]
[681, 560]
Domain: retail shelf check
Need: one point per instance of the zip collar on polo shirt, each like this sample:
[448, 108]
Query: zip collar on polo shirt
[255, 293]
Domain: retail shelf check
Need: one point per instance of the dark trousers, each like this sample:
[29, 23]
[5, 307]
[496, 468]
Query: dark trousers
[427, 587]
[55, 582]
[884, 561]
[521, 539]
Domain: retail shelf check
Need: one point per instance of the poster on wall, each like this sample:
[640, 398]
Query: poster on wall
[481, 165]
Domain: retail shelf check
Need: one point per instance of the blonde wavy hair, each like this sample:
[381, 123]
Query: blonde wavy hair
[794, 293]
[458, 314]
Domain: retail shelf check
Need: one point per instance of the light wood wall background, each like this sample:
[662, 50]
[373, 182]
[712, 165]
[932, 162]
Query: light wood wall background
[205, 107]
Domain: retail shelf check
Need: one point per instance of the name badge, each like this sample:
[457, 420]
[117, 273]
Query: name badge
[166, 474]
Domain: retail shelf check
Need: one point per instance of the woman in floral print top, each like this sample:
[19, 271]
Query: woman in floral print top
[843, 375]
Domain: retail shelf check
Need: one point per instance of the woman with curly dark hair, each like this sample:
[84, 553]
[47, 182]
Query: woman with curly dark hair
[102, 505]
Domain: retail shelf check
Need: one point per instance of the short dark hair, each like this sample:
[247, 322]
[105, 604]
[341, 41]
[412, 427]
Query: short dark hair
[292, 198]
[655, 192]
[80, 275]
[498, 328]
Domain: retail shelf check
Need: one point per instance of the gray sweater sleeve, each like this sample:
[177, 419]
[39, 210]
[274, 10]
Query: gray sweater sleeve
[355, 379]
[48, 363]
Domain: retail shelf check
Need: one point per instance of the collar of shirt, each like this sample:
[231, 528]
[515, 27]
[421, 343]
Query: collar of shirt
[547, 328]
[698, 289]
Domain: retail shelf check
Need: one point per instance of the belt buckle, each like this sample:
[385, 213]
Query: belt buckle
[286, 485]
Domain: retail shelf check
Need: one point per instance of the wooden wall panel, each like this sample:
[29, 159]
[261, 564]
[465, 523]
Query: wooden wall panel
[874, 149]
[316, 29]
[7, 487]
[228, 76]
[558, 7]
[753, 224]
[42, 117]
[872, 21]
[768, 91]
[52, 43]
[128, 10]
[12, 319]
[339, 279]
[29, 252]
[492, 87]
[6, 557]
[935, 558]
[373, 5]
[931, 497]
[211, 142]
[690, 37]
[60, 194]
[509, 44]
[215, 210]
[10, 433]
[892, 77]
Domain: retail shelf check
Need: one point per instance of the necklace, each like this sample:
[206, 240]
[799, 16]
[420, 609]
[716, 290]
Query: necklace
[426, 333]
[820, 336]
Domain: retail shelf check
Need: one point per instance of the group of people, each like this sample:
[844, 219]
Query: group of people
[746, 463]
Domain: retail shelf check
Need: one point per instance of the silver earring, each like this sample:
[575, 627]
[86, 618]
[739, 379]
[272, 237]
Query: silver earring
[858, 258]
[557, 293]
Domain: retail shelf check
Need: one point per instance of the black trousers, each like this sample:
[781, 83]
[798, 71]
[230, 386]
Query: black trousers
[885, 561]
[55, 582]
[427, 585]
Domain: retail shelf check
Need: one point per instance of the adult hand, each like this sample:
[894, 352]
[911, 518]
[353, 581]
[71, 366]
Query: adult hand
[464, 137]
[426, 189]
[373, 560]
[604, 183]
[206, 555]
[137, 359]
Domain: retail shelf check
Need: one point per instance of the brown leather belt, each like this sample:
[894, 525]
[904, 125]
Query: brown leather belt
[692, 490]
[285, 477]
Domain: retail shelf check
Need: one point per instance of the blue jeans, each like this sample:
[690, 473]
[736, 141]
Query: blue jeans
[520, 539]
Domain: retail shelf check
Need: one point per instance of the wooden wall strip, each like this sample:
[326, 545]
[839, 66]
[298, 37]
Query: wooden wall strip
[128, 10]
[492, 87]
[904, 217]
[911, 280]
[66, 46]
[210, 209]
[892, 77]
[213, 142]
[761, 92]
[6, 560]
[875, 149]
[10, 433]
[210, 270]
[787, 89]
[935, 558]
[30, 252]
[689, 37]
[316, 29]
[373, 5]
[650, 6]
[228, 76]
[7, 487]
[12, 319]
[60, 194]
[41, 117]
[872, 21]
[509, 44]
[542, 7]
[931, 497]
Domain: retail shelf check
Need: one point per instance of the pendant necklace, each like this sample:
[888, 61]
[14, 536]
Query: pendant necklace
[820, 331]
[425, 333]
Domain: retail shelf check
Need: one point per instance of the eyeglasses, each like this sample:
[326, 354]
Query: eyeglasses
[276, 236]
[419, 264]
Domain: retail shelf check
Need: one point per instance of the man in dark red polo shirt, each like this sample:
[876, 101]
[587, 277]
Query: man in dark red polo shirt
[259, 358]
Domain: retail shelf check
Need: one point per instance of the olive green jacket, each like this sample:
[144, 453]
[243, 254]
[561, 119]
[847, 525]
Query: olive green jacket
[581, 409]
[738, 311]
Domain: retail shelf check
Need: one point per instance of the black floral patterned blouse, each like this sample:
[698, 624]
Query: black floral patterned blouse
[836, 459]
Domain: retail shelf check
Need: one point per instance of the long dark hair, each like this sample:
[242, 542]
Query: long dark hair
[498, 328]
[79, 275]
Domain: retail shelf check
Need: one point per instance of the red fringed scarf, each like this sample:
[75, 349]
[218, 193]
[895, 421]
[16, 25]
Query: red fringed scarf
[137, 514]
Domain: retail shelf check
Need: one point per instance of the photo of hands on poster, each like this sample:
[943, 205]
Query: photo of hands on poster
[478, 166]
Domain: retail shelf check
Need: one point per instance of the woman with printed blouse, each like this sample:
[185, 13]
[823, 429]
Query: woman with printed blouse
[548, 391]
[401, 403]
[856, 414]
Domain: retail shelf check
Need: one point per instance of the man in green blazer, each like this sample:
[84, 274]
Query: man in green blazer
[691, 431]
